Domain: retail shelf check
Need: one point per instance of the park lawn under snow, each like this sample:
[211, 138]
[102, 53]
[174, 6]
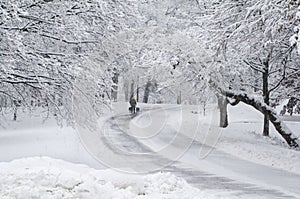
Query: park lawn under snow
[33, 154]
[243, 138]
[36, 135]
[44, 177]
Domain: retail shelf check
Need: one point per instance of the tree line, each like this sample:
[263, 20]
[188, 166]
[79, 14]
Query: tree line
[162, 51]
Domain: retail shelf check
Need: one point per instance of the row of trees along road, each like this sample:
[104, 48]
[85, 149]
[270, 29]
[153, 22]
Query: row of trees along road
[238, 51]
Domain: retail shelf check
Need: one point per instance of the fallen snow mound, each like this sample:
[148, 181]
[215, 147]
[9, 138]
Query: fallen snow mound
[43, 177]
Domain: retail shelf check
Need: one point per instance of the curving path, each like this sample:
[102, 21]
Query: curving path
[132, 145]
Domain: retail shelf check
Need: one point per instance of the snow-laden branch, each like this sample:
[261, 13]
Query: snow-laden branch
[281, 128]
[68, 41]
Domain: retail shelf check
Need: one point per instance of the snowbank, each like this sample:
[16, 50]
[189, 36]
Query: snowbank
[47, 178]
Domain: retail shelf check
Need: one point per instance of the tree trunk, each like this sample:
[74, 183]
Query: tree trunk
[204, 108]
[132, 88]
[222, 104]
[137, 89]
[15, 115]
[266, 110]
[137, 94]
[179, 98]
[15, 107]
[147, 92]
[266, 125]
[126, 85]
[114, 90]
[266, 96]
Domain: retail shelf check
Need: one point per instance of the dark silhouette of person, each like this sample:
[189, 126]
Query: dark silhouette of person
[132, 104]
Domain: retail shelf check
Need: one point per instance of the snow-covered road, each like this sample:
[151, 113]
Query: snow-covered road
[235, 162]
[158, 140]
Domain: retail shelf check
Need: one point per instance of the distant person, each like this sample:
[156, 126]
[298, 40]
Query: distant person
[283, 111]
[132, 104]
[291, 104]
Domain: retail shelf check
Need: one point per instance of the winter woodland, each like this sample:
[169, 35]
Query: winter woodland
[63, 54]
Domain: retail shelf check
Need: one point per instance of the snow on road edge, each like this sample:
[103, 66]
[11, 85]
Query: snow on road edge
[44, 177]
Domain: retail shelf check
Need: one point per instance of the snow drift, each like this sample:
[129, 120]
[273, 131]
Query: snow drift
[47, 178]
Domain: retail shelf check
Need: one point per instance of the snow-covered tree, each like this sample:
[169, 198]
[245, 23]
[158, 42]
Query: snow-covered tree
[252, 41]
[295, 39]
[49, 46]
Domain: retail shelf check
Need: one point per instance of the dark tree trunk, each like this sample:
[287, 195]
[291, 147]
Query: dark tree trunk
[266, 125]
[204, 108]
[137, 94]
[147, 92]
[222, 104]
[126, 85]
[132, 89]
[114, 90]
[266, 110]
[179, 98]
[137, 90]
[16, 105]
[15, 115]
[266, 96]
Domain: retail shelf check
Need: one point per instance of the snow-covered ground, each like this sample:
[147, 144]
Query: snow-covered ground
[34, 135]
[27, 171]
[158, 136]
[238, 152]
[47, 178]
[243, 139]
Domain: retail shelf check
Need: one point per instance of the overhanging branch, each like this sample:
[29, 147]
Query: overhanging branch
[265, 109]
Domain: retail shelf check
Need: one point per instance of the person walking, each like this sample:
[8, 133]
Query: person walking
[132, 104]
